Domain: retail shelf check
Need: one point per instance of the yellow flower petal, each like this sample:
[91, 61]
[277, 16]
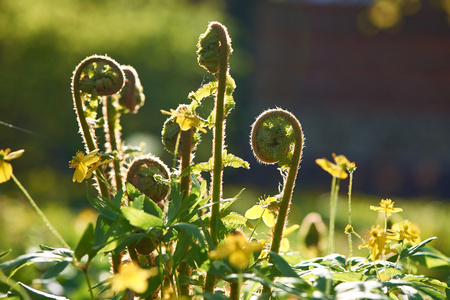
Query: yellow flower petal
[334, 170]
[254, 212]
[132, 277]
[14, 155]
[291, 229]
[269, 218]
[5, 171]
[80, 173]
[285, 245]
[239, 259]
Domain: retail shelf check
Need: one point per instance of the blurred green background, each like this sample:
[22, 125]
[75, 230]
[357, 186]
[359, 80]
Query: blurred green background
[41, 42]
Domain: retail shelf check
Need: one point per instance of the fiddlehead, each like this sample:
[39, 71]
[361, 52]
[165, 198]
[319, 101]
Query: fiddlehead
[131, 96]
[95, 76]
[128, 100]
[141, 174]
[214, 49]
[277, 137]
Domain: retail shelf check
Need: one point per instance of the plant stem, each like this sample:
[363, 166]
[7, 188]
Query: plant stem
[185, 187]
[350, 243]
[40, 213]
[86, 276]
[333, 203]
[112, 116]
[186, 144]
[235, 287]
[218, 130]
[218, 141]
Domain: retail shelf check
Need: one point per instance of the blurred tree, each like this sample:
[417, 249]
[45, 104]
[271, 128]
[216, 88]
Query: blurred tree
[41, 42]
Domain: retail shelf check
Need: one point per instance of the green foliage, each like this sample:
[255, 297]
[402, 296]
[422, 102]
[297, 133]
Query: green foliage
[187, 243]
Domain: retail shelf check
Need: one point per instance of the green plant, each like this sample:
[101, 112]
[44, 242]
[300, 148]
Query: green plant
[168, 233]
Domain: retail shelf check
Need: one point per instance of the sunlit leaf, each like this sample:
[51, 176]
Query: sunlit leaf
[85, 244]
[39, 295]
[140, 218]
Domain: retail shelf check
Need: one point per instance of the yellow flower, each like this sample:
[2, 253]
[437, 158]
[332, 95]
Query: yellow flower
[132, 277]
[6, 169]
[407, 231]
[185, 118]
[237, 249]
[81, 163]
[386, 206]
[264, 209]
[339, 168]
[377, 242]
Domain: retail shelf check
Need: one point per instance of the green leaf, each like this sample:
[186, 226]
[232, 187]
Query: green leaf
[282, 266]
[39, 295]
[4, 253]
[204, 91]
[132, 191]
[235, 219]
[431, 258]
[12, 266]
[216, 296]
[175, 203]
[360, 290]
[152, 208]
[228, 160]
[140, 218]
[86, 243]
[105, 207]
[55, 270]
[191, 230]
[412, 250]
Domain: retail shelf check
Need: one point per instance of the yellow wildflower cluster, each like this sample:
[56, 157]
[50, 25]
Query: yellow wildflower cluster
[378, 237]
[237, 249]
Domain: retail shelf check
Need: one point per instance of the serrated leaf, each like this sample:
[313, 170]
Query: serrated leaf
[140, 218]
[204, 91]
[234, 218]
[229, 160]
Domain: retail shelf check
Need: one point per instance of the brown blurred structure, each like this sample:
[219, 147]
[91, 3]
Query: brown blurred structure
[382, 100]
